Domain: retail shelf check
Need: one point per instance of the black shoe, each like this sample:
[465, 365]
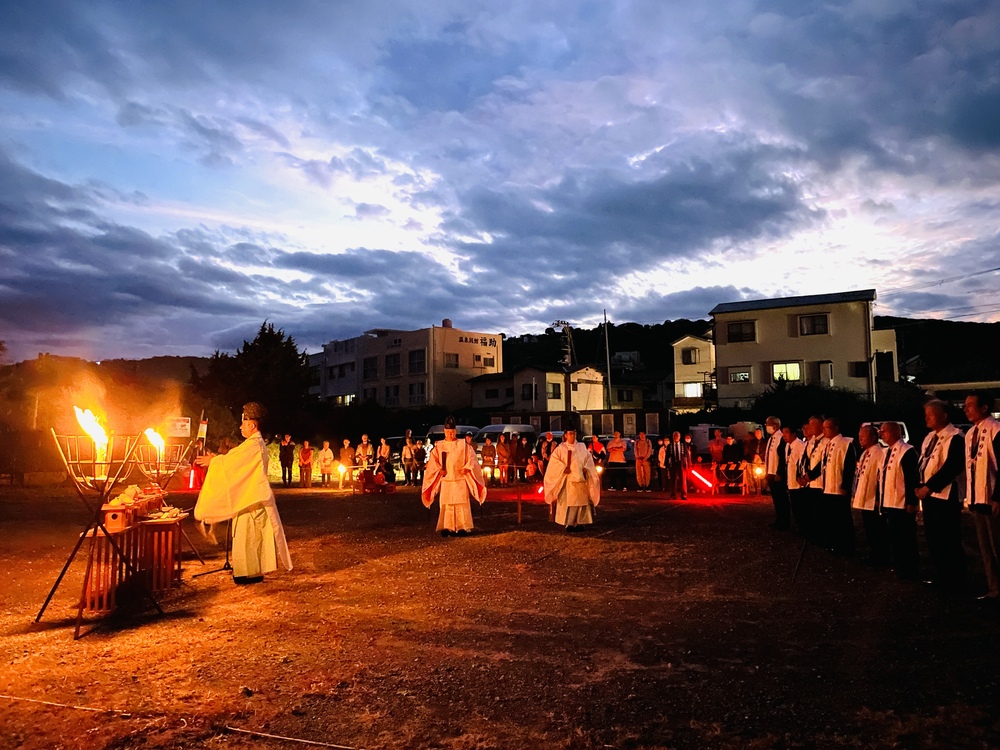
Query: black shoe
[245, 580]
[445, 532]
[987, 598]
[462, 532]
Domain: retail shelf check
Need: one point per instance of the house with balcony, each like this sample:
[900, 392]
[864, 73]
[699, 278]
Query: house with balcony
[827, 339]
[694, 373]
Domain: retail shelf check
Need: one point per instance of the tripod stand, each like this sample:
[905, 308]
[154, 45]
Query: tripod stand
[226, 566]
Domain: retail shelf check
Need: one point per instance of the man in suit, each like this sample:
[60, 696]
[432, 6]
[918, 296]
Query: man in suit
[677, 459]
[774, 469]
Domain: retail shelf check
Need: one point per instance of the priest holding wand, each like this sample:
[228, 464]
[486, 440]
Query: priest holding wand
[237, 488]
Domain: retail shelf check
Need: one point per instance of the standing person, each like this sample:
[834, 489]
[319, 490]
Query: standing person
[774, 468]
[678, 461]
[571, 483]
[864, 496]
[286, 457]
[503, 458]
[838, 464]
[409, 462]
[383, 454]
[364, 454]
[347, 461]
[794, 449]
[305, 465]
[522, 454]
[545, 449]
[454, 477]
[661, 463]
[420, 456]
[941, 463]
[732, 456]
[326, 464]
[489, 456]
[643, 449]
[811, 481]
[898, 478]
[615, 467]
[715, 448]
[600, 456]
[982, 448]
[236, 487]
[689, 483]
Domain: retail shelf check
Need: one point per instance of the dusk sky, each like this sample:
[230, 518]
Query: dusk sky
[172, 174]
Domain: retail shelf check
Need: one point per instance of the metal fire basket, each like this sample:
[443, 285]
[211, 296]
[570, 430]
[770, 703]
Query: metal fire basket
[113, 556]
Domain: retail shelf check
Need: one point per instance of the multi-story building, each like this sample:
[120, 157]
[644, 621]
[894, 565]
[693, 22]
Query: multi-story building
[556, 388]
[406, 369]
[694, 373]
[827, 339]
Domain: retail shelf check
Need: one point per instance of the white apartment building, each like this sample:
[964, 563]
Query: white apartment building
[825, 338]
[406, 369]
[556, 388]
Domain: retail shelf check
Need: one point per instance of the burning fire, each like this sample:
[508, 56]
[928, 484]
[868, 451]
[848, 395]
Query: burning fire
[157, 442]
[97, 433]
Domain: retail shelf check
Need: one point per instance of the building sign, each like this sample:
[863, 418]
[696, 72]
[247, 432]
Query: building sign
[480, 340]
[179, 427]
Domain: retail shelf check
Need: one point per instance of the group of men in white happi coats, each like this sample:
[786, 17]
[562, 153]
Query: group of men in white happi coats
[455, 479]
[819, 478]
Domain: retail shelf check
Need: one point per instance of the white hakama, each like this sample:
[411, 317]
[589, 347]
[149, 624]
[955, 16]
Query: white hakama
[454, 477]
[236, 487]
[575, 492]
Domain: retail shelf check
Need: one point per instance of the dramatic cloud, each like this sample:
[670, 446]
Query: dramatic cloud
[172, 174]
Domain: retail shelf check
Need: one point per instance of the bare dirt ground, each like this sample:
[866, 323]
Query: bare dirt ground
[669, 625]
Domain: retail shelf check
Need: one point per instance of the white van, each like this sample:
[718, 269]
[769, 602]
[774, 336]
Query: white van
[493, 432]
[436, 433]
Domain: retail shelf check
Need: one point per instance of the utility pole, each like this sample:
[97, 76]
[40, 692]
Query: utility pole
[607, 355]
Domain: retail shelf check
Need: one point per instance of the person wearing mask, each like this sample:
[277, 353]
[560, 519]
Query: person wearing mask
[643, 450]
[489, 456]
[616, 462]
[774, 470]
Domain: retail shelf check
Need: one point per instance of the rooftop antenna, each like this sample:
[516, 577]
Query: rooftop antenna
[569, 355]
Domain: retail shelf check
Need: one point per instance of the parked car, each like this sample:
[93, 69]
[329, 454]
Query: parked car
[436, 433]
[493, 432]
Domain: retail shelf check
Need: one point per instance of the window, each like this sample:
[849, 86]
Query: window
[369, 394]
[527, 392]
[692, 390]
[417, 394]
[574, 386]
[314, 375]
[743, 331]
[689, 356]
[739, 375]
[493, 393]
[786, 371]
[814, 325]
[395, 343]
[392, 365]
[624, 395]
[418, 362]
[857, 369]
[451, 360]
[489, 362]
[369, 368]
[554, 390]
[331, 373]
[392, 395]
[509, 392]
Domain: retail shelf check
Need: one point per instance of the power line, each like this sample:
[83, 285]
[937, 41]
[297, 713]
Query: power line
[938, 282]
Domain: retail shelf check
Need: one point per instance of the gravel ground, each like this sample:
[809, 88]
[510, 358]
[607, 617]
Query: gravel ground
[668, 625]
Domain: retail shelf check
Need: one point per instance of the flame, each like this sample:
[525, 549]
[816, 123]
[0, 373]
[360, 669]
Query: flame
[97, 433]
[157, 442]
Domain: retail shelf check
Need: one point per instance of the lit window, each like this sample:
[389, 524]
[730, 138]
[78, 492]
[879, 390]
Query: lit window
[786, 371]
[739, 376]
[692, 390]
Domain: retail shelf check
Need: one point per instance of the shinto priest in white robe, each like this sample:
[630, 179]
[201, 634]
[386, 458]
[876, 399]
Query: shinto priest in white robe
[454, 476]
[575, 492]
[236, 487]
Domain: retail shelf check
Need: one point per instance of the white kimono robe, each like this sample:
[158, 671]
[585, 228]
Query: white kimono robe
[454, 476]
[574, 493]
[236, 487]
[866, 477]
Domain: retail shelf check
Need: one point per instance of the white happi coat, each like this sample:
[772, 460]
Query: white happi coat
[814, 456]
[834, 455]
[775, 443]
[892, 482]
[793, 453]
[866, 477]
[981, 468]
[454, 476]
[930, 465]
[237, 483]
[581, 487]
